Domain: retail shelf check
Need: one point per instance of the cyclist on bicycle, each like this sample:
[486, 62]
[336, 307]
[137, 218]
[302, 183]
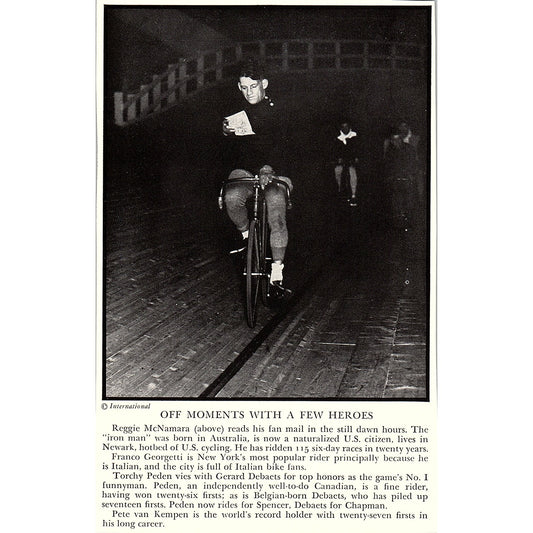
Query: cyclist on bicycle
[261, 145]
[345, 152]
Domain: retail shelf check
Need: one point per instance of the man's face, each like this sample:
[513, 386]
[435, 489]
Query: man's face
[345, 128]
[252, 90]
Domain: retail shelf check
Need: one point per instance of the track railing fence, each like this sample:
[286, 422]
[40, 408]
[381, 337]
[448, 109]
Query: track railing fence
[193, 74]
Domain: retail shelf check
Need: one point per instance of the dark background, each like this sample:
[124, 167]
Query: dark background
[185, 141]
[142, 41]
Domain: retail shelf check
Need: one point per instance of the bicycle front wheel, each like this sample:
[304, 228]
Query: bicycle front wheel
[253, 274]
[264, 249]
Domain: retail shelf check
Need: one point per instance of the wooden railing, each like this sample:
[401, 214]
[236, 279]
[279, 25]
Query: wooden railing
[191, 75]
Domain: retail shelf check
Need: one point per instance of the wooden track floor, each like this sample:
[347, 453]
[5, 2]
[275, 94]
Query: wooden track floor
[174, 317]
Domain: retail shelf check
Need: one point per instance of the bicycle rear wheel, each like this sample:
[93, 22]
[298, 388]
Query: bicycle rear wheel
[253, 274]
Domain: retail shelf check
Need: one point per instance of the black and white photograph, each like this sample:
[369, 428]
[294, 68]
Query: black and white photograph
[267, 229]
[123, 123]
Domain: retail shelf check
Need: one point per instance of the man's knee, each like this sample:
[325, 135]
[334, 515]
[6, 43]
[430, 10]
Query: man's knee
[232, 198]
[235, 196]
[276, 197]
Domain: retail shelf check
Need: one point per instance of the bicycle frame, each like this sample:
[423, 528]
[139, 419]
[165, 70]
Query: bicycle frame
[256, 271]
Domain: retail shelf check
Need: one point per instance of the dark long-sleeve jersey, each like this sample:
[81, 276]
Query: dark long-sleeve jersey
[269, 144]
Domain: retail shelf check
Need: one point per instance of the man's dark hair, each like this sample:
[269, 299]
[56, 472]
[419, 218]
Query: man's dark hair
[252, 68]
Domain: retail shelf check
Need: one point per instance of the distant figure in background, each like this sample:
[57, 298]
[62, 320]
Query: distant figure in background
[402, 132]
[345, 151]
[400, 155]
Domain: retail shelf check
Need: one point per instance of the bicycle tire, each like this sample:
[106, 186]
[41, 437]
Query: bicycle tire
[263, 247]
[252, 274]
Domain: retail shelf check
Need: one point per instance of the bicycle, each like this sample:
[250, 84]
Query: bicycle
[256, 271]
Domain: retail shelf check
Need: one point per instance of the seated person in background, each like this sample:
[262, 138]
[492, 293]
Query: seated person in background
[345, 153]
[261, 146]
[401, 169]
